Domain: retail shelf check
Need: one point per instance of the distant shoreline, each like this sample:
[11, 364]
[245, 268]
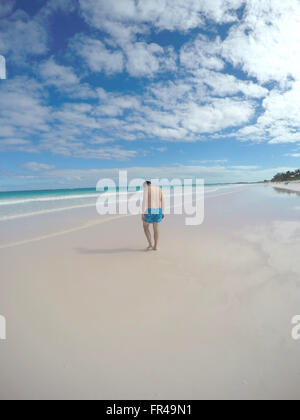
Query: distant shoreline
[293, 186]
[55, 190]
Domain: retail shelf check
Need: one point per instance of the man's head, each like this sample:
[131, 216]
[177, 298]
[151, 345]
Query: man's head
[147, 183]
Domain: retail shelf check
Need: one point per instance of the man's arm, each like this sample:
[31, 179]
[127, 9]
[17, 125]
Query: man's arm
[144, 204]
[162, 200]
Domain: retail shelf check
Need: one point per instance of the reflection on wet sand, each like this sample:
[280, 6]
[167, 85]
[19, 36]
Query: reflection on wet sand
[292, 187]
[286, 191]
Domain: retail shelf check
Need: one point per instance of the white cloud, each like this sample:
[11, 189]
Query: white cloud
[188, 120]
[172, 112]
[203, 97]
[295, 155]
[12, 144]
[167, 95]
[37, 167]
[57, 75]
[220, 114]
[71, 130]
[148, 59]
[266, 43]
[228, 85]
[2, 68]
[280, 121]
[162, 14]
[97, 56]
[211, 174]
[81, 91]
[138, 58]
[6, 7]
[113, 105]
[53, 6]
[197, 162]
[123, 20]
[202, 53]
[22, 107]
[21, 36]
[107, 153]
[244, 167]
[160, 149]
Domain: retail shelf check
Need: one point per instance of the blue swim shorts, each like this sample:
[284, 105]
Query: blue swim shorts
[153, 216]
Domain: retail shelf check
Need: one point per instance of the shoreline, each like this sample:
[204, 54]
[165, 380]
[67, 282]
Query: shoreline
[12, 210]
[293, 186]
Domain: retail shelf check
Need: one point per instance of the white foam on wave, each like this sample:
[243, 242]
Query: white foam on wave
[41, 199]
[53, 198]
[41, 212]
[8, 217]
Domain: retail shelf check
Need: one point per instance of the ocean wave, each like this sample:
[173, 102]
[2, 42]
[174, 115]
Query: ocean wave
[41, 212]
[11, 214]
[53, 198]
[42, 199]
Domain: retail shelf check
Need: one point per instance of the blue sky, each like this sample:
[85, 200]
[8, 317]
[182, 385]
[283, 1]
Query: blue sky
[164, 88]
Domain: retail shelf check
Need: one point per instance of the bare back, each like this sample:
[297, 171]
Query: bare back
[153, 198]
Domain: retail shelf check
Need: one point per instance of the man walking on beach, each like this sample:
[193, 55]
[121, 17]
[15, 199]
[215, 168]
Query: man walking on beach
[153, 212]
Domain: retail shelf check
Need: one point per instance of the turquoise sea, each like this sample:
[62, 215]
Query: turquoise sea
[18, 204]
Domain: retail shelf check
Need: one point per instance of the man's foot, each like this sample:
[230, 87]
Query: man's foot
[155, 248]
[150, 247]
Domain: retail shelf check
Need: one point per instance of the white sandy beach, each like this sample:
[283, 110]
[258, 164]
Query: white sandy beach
[289, 186]
[90, 314]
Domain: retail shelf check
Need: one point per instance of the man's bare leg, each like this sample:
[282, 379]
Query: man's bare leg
[148, 235]
[156, 236]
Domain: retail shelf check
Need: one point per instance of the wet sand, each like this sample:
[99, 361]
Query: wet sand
[293, 186]
[91, 315]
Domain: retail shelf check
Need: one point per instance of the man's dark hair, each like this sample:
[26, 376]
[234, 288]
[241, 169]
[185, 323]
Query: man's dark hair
[148, 182]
